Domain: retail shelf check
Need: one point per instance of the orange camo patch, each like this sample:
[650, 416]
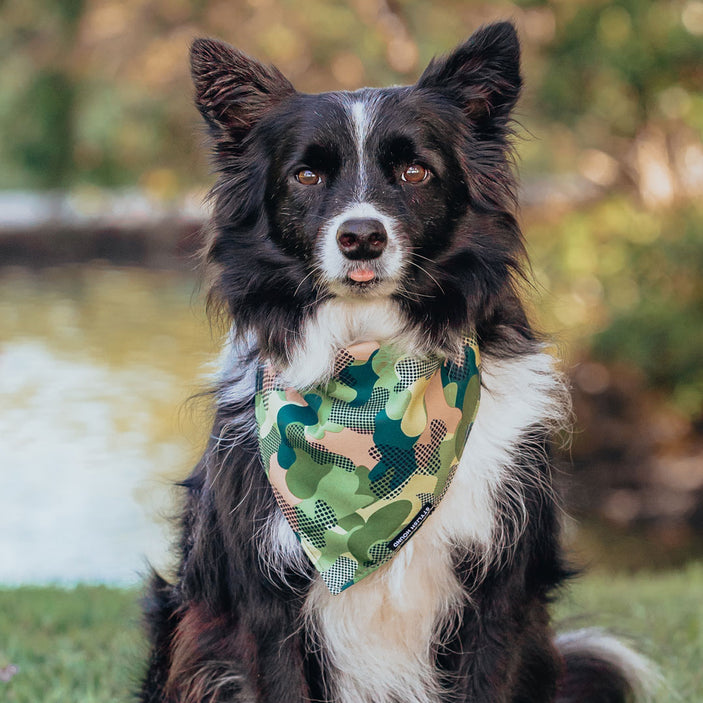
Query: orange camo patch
[438, 409]
[351, 444]
[293, 396]
[363, 350]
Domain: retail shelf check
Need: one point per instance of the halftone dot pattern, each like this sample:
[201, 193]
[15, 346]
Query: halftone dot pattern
[430, 464]
[409, 370]
[380, 552]
[287, 509]
[321, 455]
[343, 516]
[361, 419]
[458, 372]
[341, 361]
[269, 445]
[426, 454]
[267, 381]
[438, 431]
[341, 574]
[346, 378]
[401, 467]
[316, 527]
[324, 514]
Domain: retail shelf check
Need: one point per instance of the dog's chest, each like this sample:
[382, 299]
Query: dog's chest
[379, 636]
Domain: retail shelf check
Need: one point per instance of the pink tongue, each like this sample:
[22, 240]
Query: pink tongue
[362, 275]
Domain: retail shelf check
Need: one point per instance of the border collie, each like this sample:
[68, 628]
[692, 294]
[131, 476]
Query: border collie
[381, 217]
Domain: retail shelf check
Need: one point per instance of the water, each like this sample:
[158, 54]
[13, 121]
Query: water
[96, 366]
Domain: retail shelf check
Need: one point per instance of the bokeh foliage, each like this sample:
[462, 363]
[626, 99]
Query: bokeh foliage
[625, 287]
[97, 93]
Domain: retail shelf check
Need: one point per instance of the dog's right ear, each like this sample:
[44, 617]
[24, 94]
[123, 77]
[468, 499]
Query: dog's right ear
[232, 90]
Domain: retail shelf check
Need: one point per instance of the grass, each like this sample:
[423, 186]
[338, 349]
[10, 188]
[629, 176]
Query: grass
[70, 646]
[660, 613]
[83, 645]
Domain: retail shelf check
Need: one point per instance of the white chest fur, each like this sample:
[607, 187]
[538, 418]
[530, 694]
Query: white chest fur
[378, 637]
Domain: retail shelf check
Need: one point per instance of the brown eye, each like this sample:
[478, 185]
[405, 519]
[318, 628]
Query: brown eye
[307, 177]
[415, 174]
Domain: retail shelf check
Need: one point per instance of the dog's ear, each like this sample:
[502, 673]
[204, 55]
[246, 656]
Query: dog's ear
[482, 75]
[232, 90]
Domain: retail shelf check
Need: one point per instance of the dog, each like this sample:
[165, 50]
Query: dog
[362, 221]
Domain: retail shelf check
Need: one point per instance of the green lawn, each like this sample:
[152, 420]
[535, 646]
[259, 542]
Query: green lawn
[71, 646]
[660, 613]
[83, 645]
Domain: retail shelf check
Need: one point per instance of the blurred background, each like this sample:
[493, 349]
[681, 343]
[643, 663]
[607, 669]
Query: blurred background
[102, 175]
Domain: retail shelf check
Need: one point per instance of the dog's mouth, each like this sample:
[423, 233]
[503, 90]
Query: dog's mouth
[362, 276]
[360, 279]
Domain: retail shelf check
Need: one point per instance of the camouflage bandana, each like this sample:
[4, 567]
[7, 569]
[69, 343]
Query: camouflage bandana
[358, 464]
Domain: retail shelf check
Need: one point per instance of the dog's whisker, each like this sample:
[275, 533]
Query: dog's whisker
[315, 269]
[413, 252]
[427, 273]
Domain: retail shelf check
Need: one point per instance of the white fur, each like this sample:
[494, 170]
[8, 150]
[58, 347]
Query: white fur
[236, 378]
[280, 549]
[362, 115]
[208, 682]
[642, 675]
[338, 323]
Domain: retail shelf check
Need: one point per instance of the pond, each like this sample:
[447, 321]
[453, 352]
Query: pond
[97, 366]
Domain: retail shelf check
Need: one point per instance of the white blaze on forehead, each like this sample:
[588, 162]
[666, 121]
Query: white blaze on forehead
[356, 204]
[362, 114]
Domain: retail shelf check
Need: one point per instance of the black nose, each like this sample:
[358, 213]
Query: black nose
[362, 239]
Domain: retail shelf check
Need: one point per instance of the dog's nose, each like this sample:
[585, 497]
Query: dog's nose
[362, 239]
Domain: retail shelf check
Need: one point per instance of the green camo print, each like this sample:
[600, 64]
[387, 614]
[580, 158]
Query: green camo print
[358, 464]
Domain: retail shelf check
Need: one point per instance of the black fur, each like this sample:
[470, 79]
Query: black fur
[227, 630]
[593, 680]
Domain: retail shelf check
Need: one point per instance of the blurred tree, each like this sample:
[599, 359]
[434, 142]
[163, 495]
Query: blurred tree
[42, 111]
[626, 78]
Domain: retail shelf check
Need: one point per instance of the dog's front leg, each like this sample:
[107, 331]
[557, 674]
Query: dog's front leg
[507, 660]
[225, 631]
[503, 651]
[247, 657]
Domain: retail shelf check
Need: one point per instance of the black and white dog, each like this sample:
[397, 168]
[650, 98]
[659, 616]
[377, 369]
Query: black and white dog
[380, 214]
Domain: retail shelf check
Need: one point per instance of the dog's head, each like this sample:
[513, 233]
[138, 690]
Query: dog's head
[401, 193]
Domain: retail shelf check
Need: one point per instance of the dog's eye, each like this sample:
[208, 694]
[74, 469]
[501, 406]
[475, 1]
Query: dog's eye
[307, 177]
[415, 174]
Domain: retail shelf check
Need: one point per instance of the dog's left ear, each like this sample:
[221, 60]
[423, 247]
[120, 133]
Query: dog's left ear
[482, 75]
